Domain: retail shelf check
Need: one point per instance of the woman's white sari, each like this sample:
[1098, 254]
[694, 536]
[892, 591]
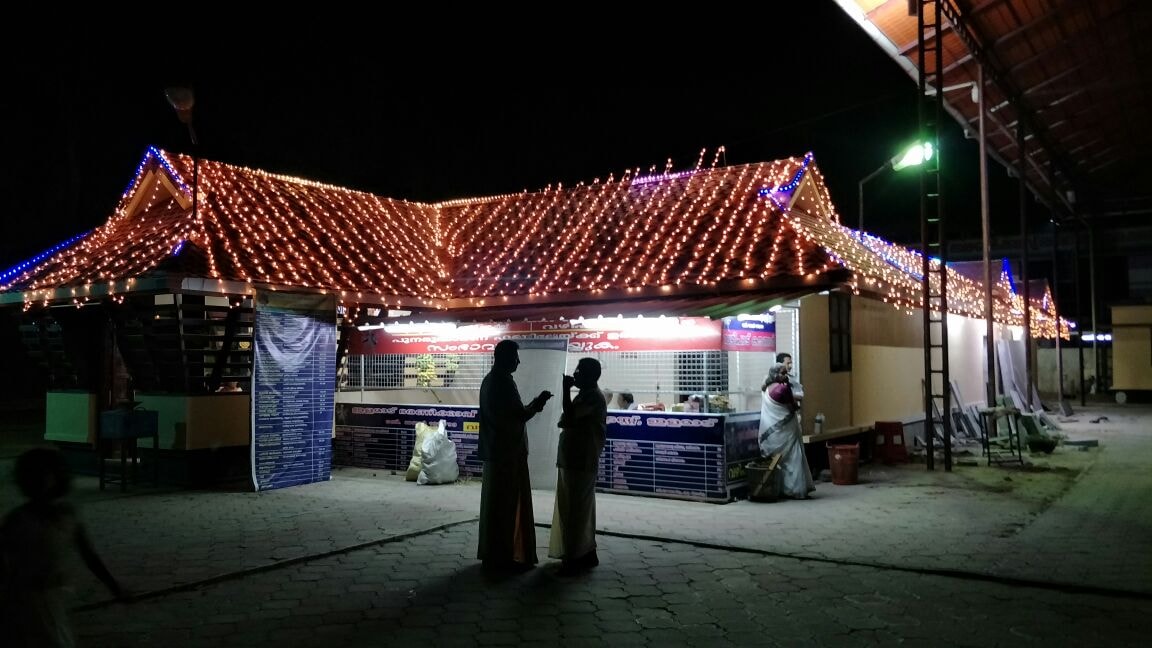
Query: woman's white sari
[780, 434]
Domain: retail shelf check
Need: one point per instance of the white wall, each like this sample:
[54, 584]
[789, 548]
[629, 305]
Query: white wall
[826, 393]
[1046, 369]
[886, 383]
[888, 361]
[968, 358]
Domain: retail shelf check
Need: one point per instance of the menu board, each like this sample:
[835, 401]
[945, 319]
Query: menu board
[382, 435]
[741, 445]
[663, 453]
[294, 381]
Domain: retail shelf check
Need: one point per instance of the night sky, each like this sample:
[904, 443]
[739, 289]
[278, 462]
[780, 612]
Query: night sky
[483, 113]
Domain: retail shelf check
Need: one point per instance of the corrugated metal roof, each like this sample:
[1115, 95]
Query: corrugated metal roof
[1078, 73]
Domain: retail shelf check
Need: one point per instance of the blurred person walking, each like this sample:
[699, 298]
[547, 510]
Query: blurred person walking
[37, 541]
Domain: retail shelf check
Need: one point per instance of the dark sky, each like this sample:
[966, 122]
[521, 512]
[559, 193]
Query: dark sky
[474, 114]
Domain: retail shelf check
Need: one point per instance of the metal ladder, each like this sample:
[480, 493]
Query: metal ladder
[934, 279]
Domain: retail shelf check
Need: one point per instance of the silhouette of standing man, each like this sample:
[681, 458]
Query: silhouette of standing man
[583, 426]
[507, 531]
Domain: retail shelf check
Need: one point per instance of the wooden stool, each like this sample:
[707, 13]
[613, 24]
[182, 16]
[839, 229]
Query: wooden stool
[890, 442]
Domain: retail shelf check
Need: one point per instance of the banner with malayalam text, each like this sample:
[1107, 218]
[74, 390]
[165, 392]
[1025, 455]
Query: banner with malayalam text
[586, 336]
[293, 389]
[750, 334]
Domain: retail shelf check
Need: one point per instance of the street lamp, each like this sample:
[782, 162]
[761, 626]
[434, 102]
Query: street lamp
[182, 100]
[916, 154]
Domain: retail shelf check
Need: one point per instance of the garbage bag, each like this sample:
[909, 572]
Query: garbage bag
[438, 454]
[416, 463]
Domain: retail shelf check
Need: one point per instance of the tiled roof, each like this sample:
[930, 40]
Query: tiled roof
[697, 228]
[756, 230]
[700, 228]
[252, 226]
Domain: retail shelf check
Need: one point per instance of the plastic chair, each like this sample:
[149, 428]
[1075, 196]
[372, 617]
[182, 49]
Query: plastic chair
[890, 442]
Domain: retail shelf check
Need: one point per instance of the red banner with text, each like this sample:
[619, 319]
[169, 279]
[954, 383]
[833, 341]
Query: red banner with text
[598, 335]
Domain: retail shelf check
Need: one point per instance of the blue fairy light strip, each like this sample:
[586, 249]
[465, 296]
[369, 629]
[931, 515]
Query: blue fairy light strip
[20, 268]
[155, 153]
[795, 182]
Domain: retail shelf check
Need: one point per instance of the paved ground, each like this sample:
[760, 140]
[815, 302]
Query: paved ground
[1059, 554]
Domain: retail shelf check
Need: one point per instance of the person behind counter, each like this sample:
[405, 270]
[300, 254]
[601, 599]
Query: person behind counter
[780, 433]
[626, 401]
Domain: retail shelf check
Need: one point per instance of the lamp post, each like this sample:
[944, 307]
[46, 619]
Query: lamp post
[182, 100]
[915, 155]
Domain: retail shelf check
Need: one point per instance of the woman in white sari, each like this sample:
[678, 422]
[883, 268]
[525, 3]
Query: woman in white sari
[780, 434]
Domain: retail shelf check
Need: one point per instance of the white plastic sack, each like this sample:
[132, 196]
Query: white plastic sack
[423, 430]
[438, 454]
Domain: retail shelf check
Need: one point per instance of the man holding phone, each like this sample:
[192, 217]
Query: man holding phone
[507, 526]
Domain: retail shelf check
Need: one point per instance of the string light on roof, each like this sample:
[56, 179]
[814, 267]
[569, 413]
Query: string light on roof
[29, 265]
[889, 272]
[698, 227]
[791, 185]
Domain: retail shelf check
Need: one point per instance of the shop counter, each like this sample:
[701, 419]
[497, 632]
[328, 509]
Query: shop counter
[660, 454]
[679, 455]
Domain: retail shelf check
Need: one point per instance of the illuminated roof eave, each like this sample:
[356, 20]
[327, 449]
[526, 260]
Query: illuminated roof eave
[179, 284]
[789, 283]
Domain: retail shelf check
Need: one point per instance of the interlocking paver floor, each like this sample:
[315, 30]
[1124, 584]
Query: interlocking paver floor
[428, 590]
[1058, 555]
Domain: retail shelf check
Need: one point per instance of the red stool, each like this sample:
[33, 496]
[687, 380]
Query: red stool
[890, 442]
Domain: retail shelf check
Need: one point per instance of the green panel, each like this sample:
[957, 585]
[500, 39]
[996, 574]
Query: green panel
[70, 416]
[173, 417]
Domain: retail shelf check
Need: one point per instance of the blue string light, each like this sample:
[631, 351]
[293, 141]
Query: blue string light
[871, 242]
[152, 153]
[155, 153]
[1006, 269]
[791, 186]
[19, 268]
